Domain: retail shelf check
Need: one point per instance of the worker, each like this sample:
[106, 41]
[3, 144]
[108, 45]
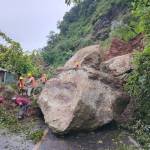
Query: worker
[21, 85]
[43, 78]
[31, 84]
[77, 64]
[23, 103]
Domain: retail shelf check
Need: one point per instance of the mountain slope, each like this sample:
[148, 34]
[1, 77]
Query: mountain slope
[89, 22]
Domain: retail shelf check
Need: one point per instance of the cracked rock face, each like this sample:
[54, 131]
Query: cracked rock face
[88, 56]
[80, 98]
[118, 65]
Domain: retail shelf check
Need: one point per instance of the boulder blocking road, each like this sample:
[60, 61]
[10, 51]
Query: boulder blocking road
[84, 97]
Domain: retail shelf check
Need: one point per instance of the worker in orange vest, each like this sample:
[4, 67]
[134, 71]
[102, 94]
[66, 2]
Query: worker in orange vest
[77, 64]
[21, 85]
[31, 84]
[43, 78]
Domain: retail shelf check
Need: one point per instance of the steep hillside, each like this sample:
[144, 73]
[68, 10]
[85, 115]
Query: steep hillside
[92, 21]
[119, 28]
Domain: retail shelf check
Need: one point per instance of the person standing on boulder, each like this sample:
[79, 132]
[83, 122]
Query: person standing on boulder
[77, 64]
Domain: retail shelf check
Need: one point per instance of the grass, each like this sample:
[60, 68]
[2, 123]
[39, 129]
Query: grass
[126, 147]
[138, 130]
[105, 45]
[9, 121]
[36, 135]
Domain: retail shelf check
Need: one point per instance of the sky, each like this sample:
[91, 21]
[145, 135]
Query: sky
[30, 21]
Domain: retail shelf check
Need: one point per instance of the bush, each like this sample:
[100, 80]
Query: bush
[126, 147]
[36, 135]
[138, 86]
[124, 32]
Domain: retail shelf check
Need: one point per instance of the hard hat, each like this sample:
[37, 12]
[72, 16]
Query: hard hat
[77, 63]
[29, 74]
[21, 78]
[44, 74]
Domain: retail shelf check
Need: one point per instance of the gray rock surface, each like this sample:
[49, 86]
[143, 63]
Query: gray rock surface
[88, 56]
[118, 65]
[13, 141]
[82, 98]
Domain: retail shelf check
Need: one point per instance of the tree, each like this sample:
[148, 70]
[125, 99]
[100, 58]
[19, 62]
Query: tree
[137, 3]
[68, 2]
[13, 58]
[142, 11]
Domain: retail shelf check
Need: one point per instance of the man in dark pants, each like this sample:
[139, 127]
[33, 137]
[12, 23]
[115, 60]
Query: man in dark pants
[23, 103]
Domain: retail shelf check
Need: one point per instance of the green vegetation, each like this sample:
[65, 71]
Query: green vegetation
[138, 85]
[78, 29]
[72, 1]
[125, 147]
[14, 59]
[36, 135]
[8, 119]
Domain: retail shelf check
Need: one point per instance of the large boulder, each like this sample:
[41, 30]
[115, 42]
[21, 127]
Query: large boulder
[75, 101]
[83, 98]
[118, 65]
[88, 56]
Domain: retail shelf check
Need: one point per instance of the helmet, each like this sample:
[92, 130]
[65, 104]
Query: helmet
[77, 63]
[44, 75]
[29, 74]
[21, 78]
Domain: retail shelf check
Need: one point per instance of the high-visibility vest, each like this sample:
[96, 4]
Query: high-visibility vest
[33, 82]
[21, 84]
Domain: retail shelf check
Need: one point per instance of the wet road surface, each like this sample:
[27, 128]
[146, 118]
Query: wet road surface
[106, 138]
[11, 141]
